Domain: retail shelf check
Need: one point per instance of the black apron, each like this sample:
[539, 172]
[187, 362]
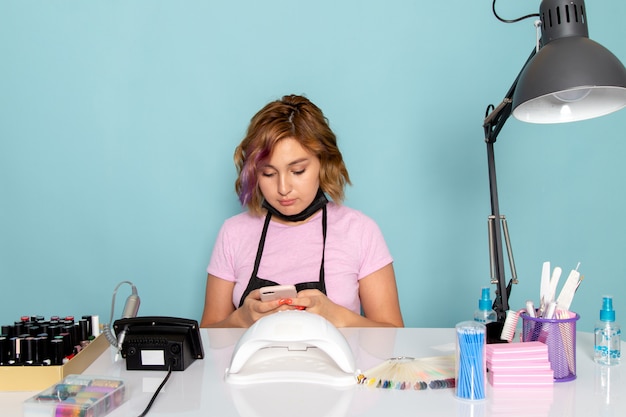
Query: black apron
[256, 282]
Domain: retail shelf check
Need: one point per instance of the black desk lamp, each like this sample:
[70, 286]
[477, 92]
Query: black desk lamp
[569, 78]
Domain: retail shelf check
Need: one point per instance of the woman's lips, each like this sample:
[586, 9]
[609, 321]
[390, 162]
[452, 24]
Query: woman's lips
[286, 203]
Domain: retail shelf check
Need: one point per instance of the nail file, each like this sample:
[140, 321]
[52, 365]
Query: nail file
[550, 310]
[545, 285]
[554, 282]
[548, 314]
[569, 289]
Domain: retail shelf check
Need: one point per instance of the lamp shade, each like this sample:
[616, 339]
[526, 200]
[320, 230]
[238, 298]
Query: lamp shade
[571, 77]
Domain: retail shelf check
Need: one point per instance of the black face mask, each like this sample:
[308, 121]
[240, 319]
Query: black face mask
[318, 202]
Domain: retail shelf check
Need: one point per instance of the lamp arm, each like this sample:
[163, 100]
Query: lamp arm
[507, 241]
[495, 120]
[501, 302]
[493, 123]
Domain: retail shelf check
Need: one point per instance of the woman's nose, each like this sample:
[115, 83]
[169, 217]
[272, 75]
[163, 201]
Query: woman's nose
[284, 186]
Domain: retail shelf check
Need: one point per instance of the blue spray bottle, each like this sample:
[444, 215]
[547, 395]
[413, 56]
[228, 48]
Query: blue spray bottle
[607, 335]
[485, 314]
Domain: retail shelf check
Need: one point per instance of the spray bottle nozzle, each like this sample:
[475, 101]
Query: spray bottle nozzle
[485, 299]
[607, 313]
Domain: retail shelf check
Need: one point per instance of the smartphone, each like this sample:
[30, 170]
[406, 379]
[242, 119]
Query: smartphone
[276, 292]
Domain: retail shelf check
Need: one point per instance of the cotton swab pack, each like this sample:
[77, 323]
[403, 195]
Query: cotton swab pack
[471, 365]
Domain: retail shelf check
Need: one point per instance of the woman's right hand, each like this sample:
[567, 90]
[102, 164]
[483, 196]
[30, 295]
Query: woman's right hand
[219, 310]
[253, 308]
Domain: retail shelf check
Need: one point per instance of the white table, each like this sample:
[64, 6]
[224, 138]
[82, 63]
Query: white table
[201, 391]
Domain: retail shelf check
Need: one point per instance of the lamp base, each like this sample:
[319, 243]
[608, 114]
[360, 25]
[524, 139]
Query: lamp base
[494, 331]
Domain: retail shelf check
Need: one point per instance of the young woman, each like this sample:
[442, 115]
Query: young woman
[291, 234]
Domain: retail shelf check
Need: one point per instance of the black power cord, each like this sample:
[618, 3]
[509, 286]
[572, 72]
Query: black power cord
[493, 7]
[169, 373]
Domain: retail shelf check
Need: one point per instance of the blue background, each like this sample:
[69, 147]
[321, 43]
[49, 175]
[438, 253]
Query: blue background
[118, 122]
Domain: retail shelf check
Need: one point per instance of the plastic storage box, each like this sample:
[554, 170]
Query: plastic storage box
[77, 395]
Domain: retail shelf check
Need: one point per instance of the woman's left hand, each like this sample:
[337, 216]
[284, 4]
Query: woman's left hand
[315, 301]
[379, 303]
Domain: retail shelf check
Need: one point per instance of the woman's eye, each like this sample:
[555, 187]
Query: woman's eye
[267, 174]
[299, 172]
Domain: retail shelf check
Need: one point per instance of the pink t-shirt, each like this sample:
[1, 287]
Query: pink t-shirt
[355, 248]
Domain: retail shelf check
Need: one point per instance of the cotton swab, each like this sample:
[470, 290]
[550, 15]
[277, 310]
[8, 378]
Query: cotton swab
[470, 381]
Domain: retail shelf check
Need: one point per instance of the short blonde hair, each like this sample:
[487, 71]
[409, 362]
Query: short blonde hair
[290, 117]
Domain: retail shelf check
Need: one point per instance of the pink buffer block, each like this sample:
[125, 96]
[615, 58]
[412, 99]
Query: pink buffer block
[530, 379]
[517, 351]
[519, 365]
